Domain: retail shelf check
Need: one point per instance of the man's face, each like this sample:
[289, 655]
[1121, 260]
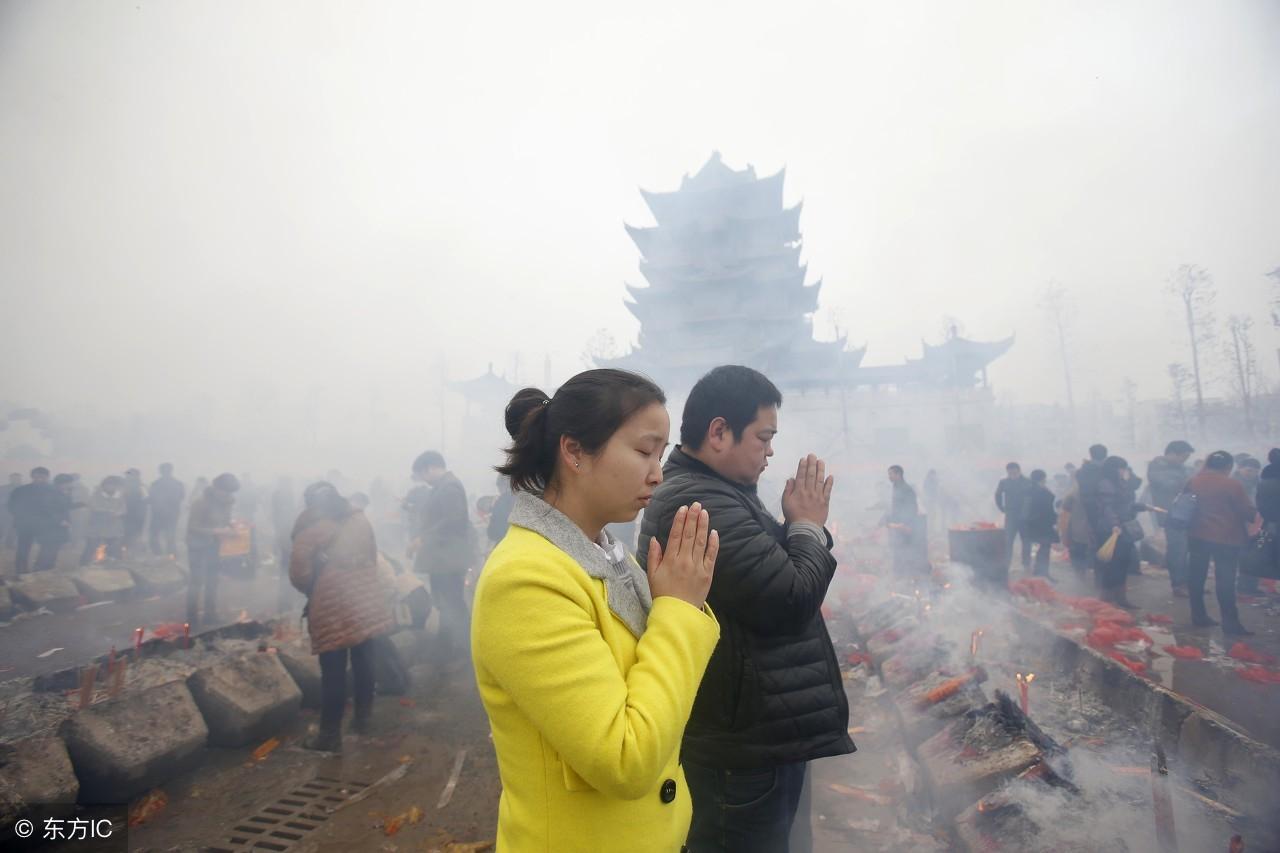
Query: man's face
[1014, 473]
[430, 475]
[895, 476]
[39, 478]
[743, 459]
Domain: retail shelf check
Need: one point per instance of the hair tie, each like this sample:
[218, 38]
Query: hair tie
[546, 402]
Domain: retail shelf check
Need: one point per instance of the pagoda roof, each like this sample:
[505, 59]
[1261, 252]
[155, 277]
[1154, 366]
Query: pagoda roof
[488, 387]
[733, 239]
[663, 282]
[708, 203]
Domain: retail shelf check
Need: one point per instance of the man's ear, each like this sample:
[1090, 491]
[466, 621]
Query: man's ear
[719, 436]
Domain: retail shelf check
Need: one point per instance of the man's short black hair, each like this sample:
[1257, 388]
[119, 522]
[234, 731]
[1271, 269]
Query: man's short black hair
[429, 459]
[732, 392]
[1098, 453]
[1219, 460]
[1250, 462]
[1013, 466]
[1178, 447]
[1038, 476]
[40, 471]
[896, 469]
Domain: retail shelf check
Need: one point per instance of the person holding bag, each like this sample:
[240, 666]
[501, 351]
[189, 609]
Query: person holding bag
[334, 562]
[588, 669]
[1116, 527]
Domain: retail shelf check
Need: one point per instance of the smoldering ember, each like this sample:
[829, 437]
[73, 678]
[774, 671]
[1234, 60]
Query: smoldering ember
[897, 470]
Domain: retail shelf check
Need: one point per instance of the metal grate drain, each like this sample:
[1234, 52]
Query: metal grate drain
[284, 823]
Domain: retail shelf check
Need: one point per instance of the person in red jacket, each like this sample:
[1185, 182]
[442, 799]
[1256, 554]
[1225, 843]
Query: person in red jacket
[1219, 533]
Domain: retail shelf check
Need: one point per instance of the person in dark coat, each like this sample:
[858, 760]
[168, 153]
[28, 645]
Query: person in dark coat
[1011, 499]
[500, 515]
[1269, 489]
[1040, 521]
[135, 509]
[445, 550]
[208, 523]
[1167, 475]
[165, 498]
[1115, 511]
[907, 541]
[1248, 473]
[34, 508]
[772, 698]
[8, 536]
[1219, 533]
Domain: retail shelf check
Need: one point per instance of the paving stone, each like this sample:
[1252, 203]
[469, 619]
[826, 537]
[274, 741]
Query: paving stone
[245, 698]
[126, 746]
[304, 668]
[103, 583]
[36, 780]
[51, 589]
[157, 576]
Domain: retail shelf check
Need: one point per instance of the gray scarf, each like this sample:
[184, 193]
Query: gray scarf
[626, 586]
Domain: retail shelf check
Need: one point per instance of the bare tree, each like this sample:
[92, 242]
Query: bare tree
[1194, 288]
[1243, 357]
[1180, 379]
[1057, 305]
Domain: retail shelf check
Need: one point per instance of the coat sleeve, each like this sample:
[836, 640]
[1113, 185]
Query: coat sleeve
[536, 634]
[1000, 496]
[302, 555]
[764, 585]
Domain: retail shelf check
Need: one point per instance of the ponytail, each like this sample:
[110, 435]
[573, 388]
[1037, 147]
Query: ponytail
[531, 458]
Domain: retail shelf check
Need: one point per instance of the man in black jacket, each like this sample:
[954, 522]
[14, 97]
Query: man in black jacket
[1167, 475]
[1011, 499]
[1040, 521]
[445, 549]
[772, 698]
[36, 509]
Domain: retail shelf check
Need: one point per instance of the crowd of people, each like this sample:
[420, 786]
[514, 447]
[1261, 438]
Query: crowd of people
[1210, 511]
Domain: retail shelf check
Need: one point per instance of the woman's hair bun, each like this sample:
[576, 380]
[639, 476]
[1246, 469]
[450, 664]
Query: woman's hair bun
[524, 402]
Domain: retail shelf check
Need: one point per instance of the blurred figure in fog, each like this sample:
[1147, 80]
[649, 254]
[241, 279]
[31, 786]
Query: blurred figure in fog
[107, 508]
[208, 523]
[1039, 521]
[1248, 472]
[445, 549]
[135, 509]
[1218, 534]
[34, 508]
[334, 562]
[500, 515]
[8, 535]
[284, 511]
[1011, 499]
[1076, 530]
[902, 520]
[166, 497]
[247, 499]
[80, 495]
[1116, 513]
[1167, 475]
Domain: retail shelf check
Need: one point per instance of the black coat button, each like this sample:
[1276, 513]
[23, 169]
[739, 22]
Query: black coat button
[668, 792]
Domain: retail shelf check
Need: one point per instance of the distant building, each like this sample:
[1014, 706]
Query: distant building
[726, 286]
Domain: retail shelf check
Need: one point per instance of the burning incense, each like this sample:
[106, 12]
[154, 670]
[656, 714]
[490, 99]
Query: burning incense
[117, 683]
[88, 676]
[137, 640]
[973, 645]
[186, 635]
[1024, 687]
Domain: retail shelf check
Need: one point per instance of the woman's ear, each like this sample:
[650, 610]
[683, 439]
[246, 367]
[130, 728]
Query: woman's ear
[571, 453]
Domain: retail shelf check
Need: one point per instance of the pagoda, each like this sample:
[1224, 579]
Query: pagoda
[725, 285]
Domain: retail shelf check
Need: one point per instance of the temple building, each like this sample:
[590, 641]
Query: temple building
[725, 284]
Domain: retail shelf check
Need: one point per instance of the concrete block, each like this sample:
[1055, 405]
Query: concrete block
[36, 772]
[103, 583]
[1248, 771]
[304, 668]
[245, 698]
[51, 589]
[157, 576]
[126, 746]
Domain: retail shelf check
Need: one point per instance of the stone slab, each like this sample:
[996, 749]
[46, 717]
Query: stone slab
[304, 668]
[52, 589]
[157, 576]
[1248, 772]
[126, 746]
[36, 780]
[101, 583]
[244, 698]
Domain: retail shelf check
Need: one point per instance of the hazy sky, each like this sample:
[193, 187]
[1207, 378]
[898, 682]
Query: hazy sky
[253, 200]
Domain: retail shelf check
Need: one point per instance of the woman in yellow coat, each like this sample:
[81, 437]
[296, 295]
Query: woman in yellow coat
[587, 668]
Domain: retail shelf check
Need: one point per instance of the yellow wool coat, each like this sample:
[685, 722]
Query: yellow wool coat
[587, 717]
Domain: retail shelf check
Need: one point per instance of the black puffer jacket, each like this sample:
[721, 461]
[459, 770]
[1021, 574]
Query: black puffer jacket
[772, 693]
